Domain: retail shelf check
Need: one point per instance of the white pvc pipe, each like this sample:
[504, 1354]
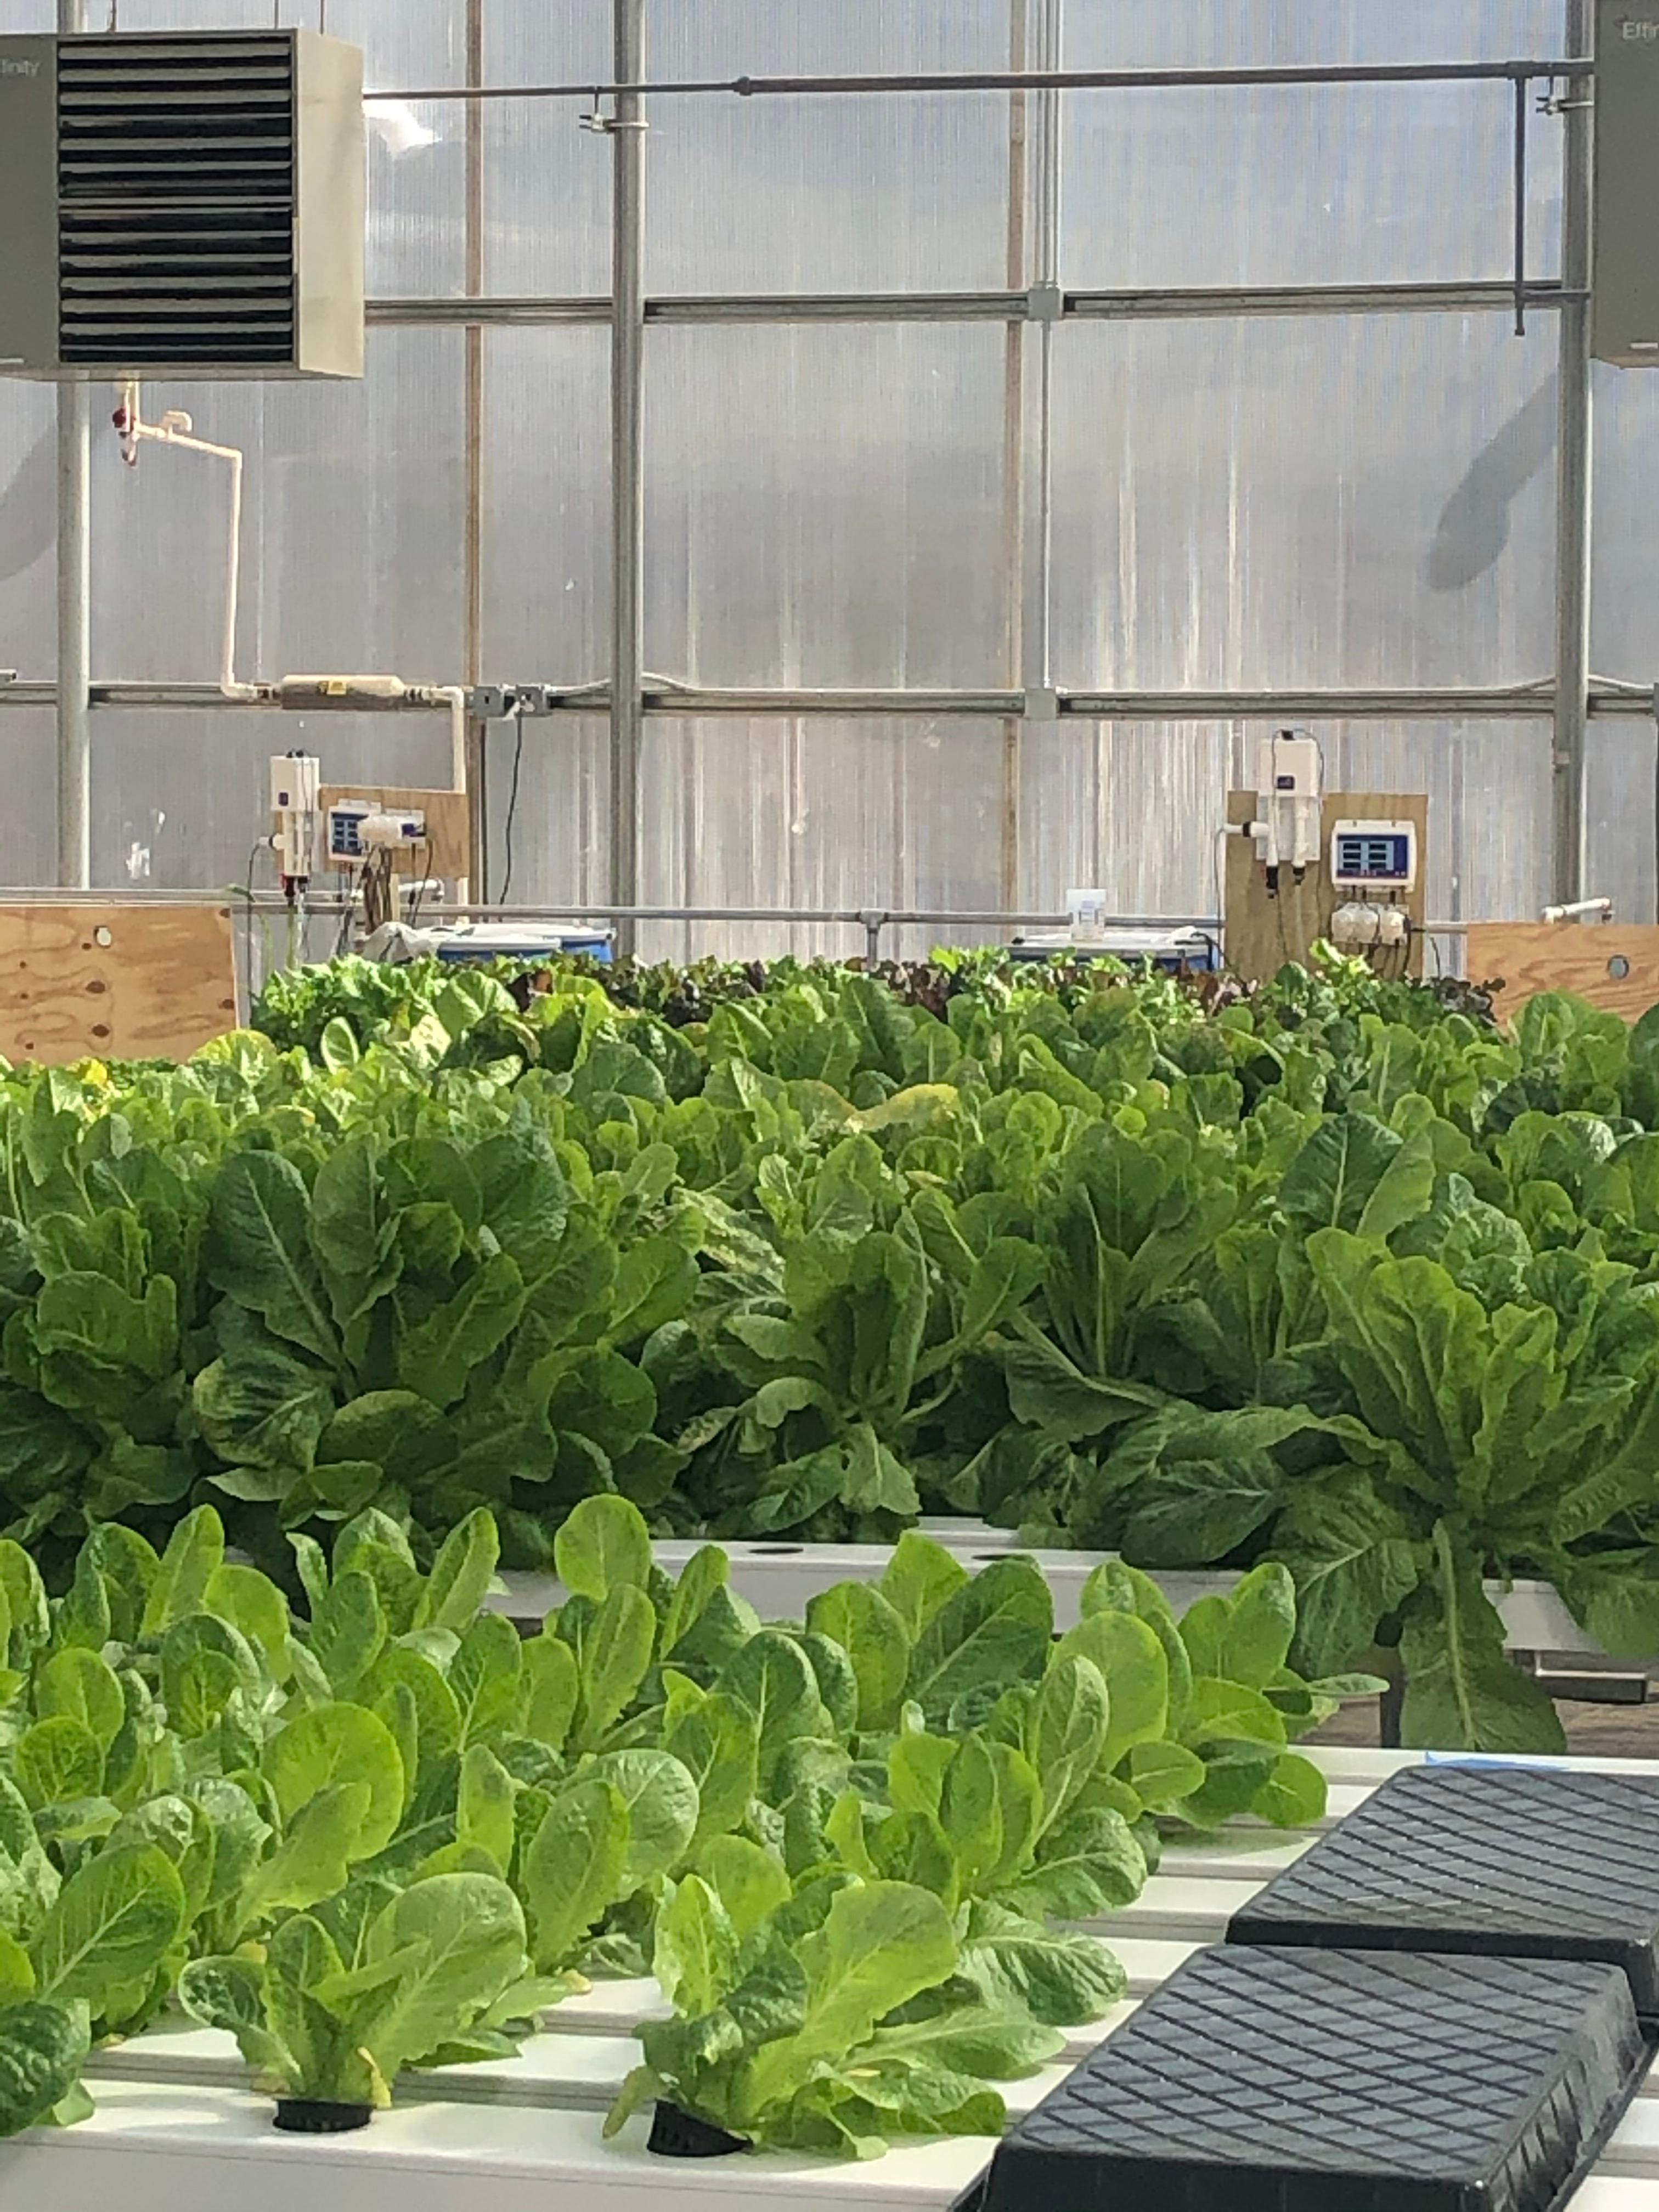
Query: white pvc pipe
[175, 429]
[455, 697]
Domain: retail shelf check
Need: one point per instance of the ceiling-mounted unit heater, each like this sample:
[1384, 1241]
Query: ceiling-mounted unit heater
[181, 205]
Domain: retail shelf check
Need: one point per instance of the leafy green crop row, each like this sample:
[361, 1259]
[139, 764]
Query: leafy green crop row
[390, 1833]
[1334, 1274]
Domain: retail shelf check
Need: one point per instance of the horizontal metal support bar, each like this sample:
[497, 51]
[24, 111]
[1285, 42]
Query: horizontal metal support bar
[460, 312]
[862, 916]
[1502, 705]
[845, 308]
[1001, 706]
[1058, 79]
[1244, 301]
[266, 903]
[1178, 304]
[690, 700]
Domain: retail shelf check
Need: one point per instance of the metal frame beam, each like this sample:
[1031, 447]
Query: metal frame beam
[1574, 489]
[472, 563]
[1038, 80]
[627, 127]
[1177, 304]
[689, 701]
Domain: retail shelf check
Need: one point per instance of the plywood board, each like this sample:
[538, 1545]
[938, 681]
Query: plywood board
[1264, 933]
[114, 982]
[449, 822]
[1615, 965]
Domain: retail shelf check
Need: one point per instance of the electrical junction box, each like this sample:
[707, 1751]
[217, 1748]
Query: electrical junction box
[1290, 773]
[295, 786]
[1288, 767]
[1624, 282]
[295, 780]
[181, 205]
[1374, 856]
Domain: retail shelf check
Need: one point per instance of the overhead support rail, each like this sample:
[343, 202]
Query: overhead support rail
[1055, 80]
[690, 701]
[1140, 304]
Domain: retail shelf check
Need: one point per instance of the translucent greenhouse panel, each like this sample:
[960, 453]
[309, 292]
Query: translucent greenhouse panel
[547, 185]
[824, 506]
[181, 800]
[417, 156]
[28, 512]
[1128, 807]
[1623, 818]
[1349, 184]
[352, 527]
[1304, 503]
[29, 835]
[830, 194]
[816, 814]
[1488, 785]
[547, 506]
[546, 810]
[1343, 184]
[1625, 642]
[1228, 33]
[1135, 808]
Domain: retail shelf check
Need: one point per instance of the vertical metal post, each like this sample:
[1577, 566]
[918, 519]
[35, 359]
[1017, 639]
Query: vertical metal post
[627, 465]
[1522, 94]
[1574, 460]
[472, 585]
[1039, 628]
[73, 603]
[1014, 457]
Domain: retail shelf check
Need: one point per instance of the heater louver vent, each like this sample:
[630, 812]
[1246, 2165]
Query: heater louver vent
[181, 205]
[176, 177]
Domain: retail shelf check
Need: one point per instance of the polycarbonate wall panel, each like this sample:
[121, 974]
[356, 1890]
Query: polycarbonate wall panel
[1133, 807]
[547, 506]
[547, 798]
[1625, 642]
[1278, 184]
[891, 814]
[547, 181]
[832, 194]
[1623, 816]
[1624, 636]
[28, 835]
[352, 528]
[180, 799]
[1302, 502]
[28, 508]
[823, 506]
[1262, 33]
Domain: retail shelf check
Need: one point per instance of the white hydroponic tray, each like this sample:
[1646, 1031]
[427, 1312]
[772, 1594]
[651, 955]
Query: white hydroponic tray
[177, 2128]
[778, 1578]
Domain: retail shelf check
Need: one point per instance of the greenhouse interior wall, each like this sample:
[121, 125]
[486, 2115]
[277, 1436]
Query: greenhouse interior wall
[1359, 500]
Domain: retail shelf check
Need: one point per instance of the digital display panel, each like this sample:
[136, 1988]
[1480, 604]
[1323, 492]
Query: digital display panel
[1375, 856]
